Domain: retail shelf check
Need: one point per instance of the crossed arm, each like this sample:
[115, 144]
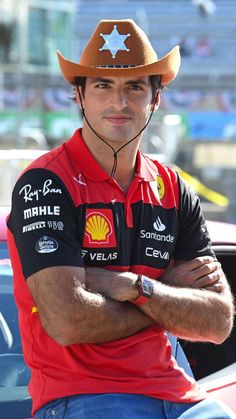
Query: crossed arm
[191, 300]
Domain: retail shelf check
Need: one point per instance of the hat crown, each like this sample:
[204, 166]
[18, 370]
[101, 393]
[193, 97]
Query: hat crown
[120, 48]
[119, 44]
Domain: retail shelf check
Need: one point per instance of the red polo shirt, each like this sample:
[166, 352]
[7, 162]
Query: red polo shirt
[67, 211]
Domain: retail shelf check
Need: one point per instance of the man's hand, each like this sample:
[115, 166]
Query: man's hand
[202, 272]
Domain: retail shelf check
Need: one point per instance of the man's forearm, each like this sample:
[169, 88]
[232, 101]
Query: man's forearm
[72, 314]
[193, 314]
[105, 320]
[195, 303]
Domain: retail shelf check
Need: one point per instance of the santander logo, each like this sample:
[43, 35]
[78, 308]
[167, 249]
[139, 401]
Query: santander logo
[158, 225]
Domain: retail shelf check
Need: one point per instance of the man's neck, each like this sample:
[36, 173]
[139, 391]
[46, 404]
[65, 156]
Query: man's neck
[126, 158]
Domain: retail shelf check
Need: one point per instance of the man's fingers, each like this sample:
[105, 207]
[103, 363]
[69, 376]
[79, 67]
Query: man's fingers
[202, 272]
[207, 269]
[208, 280]
[218, 287]
[199, 262]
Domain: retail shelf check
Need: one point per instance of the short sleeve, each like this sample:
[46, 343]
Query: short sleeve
[193, 236]
[43, 222]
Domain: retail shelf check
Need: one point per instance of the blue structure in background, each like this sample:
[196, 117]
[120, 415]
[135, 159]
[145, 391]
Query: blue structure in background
[209, 126]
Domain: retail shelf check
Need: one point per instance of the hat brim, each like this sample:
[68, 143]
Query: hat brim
[167, 67]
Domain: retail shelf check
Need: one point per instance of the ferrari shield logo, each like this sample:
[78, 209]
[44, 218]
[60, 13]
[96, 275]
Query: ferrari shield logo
[160, 187]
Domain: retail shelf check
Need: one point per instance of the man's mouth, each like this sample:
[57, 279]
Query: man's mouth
[118, 119]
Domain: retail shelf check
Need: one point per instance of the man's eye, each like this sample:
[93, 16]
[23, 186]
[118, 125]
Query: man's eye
[135, 87]
[102, 85]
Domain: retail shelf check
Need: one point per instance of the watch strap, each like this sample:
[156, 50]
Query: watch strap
[141, 299]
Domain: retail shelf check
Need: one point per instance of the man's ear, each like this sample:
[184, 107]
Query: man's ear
[156, 102]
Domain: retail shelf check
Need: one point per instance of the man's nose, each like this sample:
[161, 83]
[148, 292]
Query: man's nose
[119, 100]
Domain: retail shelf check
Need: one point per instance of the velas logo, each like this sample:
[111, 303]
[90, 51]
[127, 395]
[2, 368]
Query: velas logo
[99, 228]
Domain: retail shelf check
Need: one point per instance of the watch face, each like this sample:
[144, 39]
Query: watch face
[146, 287]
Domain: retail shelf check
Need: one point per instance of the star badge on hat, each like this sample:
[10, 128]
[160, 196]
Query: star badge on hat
[114, 42]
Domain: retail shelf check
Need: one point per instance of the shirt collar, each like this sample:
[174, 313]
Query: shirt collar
[146, 168]
[83, 159]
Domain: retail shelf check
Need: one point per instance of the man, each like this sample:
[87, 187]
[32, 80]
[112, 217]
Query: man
[110, 250]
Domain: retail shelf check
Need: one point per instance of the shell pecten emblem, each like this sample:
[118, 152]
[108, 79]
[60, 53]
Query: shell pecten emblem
[99, 229]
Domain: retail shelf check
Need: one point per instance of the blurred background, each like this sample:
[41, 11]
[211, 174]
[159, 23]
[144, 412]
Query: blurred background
[195, 127]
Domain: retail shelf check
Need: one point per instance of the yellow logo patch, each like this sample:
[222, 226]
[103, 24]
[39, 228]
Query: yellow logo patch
[99, 228]
[160, 187]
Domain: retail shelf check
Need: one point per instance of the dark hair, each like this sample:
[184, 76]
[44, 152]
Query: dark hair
[155, 85]
[81, 82]
[154, 80]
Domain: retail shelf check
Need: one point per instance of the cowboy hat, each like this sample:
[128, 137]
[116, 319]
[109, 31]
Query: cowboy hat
[120, 48]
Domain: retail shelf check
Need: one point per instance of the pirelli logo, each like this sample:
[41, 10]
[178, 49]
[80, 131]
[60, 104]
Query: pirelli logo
[99, 228]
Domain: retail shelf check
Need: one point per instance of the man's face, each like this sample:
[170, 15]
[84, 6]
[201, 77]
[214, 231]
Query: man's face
[117, 107]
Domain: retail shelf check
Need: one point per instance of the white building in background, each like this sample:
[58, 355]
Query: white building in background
[31, 31]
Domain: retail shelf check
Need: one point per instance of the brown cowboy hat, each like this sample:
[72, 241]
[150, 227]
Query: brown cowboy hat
[120, 48]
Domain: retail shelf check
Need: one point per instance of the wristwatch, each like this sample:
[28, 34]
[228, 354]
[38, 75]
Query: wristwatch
[145, 288]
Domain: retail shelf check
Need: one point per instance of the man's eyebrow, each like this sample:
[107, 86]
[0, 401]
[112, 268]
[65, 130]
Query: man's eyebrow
[110, 81]
[138, 81]
[101, 80]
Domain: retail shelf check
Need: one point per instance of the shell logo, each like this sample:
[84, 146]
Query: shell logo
[97, 227]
